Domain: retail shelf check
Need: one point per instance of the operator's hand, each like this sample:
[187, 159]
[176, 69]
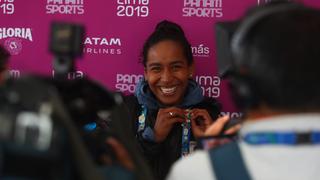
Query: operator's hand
[215, 128]
[200, 121]
[166, 118]
[202, 124]
[121, 153]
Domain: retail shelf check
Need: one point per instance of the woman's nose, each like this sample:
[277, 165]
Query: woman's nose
[166, 75]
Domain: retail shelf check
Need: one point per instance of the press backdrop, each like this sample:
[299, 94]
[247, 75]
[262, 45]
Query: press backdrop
[115, 33]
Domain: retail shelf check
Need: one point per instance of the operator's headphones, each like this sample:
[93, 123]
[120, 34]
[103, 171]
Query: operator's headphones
[242, 85]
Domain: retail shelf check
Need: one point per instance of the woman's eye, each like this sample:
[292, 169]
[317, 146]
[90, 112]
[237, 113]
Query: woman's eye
[176, 67]
[155, 69]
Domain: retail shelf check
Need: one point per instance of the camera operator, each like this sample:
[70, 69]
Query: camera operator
[96, 112]
[275, 80]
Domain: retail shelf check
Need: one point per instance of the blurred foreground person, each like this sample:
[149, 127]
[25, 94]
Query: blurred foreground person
[37, 138]
[275, 81]
[40, 139]
[4, 56]
[97, 113]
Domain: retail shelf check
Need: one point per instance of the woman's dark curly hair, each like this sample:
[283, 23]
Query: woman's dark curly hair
[166, 30]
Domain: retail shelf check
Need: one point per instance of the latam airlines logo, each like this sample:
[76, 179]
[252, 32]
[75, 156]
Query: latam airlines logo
[102, 45]
[65, 7]
[202, 8]
[13, 36]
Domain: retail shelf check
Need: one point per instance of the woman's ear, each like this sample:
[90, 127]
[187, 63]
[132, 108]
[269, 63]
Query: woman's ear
[191, 70]
[145, 74]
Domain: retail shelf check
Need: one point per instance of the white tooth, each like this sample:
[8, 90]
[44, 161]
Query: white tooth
[168, 90]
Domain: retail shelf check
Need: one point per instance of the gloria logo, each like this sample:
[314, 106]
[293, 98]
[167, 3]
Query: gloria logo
[102, 45]
[13, 36]
[202, 8]
[129, 8]
[7, 6]
[65, 7]
[200, 51]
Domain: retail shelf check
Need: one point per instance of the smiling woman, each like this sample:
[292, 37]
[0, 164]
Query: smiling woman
[168, 109]
[167, 72]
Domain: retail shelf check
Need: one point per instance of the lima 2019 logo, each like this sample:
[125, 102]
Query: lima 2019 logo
[130, 8]
[7, 6]
[13, 38]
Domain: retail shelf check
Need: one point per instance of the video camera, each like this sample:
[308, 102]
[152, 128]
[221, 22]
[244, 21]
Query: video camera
[66, 44]
[95, 111]
[32, 134]
[38, 134]
[224, 32]
[43, 119]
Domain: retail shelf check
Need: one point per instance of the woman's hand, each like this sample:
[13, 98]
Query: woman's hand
[200, 121]
[166, 118]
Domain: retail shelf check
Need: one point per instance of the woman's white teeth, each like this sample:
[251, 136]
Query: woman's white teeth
[168, 90]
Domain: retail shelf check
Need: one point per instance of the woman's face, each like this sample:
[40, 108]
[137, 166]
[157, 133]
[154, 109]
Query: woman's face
[167, 72]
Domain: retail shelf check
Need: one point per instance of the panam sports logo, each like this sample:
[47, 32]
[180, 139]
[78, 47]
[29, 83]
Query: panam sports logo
[13, 38]
[266, 1]
[102, 45]
[202, 8]
[126, 83]
[65, 7]
[263, 1]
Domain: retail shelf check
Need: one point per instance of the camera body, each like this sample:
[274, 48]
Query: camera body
[32, 135]
[66, 44]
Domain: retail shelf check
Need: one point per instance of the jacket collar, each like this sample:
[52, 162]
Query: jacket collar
[146, 97]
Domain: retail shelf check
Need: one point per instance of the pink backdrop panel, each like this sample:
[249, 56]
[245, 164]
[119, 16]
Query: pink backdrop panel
[115, 33]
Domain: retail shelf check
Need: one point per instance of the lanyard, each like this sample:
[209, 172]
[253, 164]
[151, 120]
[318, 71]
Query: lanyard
[285, 138]
[186, 132]
[142, 119]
